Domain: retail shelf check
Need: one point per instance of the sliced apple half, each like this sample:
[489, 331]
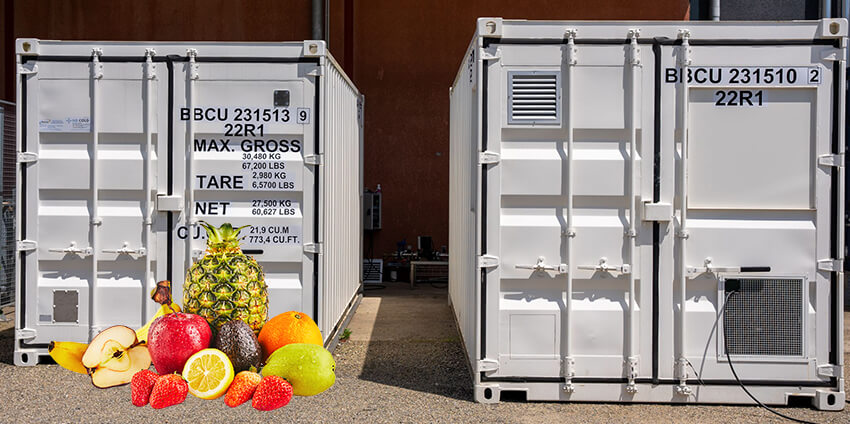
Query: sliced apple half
[138, 358]
[113, 357]
[105, 343]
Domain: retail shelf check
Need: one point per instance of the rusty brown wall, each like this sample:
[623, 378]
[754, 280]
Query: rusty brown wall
[402, 54]
[148, 20]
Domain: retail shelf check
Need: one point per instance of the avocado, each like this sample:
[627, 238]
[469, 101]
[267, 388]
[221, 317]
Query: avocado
[238, 342]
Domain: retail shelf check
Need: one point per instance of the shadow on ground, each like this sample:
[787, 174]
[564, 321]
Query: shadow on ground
[7, 347]
[412, 342]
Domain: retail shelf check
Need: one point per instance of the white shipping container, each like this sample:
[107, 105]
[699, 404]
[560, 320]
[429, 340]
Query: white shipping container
[633, 204]
[125, 146]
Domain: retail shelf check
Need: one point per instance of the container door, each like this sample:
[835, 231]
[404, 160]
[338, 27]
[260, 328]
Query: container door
[90, 142]
[754, 187]
[247, 130]
[567, 276]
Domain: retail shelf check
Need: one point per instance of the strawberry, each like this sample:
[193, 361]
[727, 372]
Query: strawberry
[141, 386]
[170, 389]
[272, 393]
[242, 388]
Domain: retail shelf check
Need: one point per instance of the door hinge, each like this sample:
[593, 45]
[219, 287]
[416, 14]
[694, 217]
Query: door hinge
[486, 55]
[685, 56]
[830, 265]
[315, 248]
[27, 157]
[25, 334]
[360, 111]
[488, 157]
[166, 203]
[23, 70]
[26, 245]
[488, 261]
[836, 160]
[485, 365]
[192, 54]
[832, 55]
[830, 370]
[315, 159]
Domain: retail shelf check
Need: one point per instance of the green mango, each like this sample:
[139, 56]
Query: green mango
[309, 368]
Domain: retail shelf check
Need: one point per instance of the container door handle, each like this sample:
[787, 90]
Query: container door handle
[126, 250]
[709, 268]
[541, 266]
[73, 249]
[605, 267]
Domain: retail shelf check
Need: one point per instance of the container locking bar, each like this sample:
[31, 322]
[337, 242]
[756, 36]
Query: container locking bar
[541, 266]
[568, 363]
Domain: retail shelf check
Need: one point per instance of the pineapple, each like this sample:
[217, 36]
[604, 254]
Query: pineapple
[225, 284]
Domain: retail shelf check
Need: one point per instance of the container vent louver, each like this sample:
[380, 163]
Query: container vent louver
[534, 97]
[764, 317]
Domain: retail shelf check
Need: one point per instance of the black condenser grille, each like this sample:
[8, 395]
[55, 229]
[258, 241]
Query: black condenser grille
[763, 317]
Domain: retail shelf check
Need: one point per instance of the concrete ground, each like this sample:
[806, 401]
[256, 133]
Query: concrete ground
[404, 363]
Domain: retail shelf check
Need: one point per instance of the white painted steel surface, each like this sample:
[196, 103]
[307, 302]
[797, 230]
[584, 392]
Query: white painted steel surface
[169, 134]
[570, 278]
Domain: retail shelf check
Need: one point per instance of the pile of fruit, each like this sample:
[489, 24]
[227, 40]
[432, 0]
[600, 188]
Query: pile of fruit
[221, 346]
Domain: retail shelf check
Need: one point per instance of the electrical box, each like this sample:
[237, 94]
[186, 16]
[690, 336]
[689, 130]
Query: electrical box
[372, 211]
[632, 203]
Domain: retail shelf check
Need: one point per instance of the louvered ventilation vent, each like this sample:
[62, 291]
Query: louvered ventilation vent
[764, 317]
[534, 97]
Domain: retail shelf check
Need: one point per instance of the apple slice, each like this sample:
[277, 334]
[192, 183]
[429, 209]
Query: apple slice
[114, 356]
[116, 337]
[138, 358]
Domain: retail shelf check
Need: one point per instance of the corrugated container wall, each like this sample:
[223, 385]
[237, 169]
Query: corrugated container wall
[637, 207]
[127, 147]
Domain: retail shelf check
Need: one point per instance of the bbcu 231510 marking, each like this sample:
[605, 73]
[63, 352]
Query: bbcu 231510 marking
[787, 76]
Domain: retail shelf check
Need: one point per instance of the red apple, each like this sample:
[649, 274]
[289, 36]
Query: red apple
[173, 338]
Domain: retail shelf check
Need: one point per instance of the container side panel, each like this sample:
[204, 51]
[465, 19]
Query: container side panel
[341, 195]
[462, 199]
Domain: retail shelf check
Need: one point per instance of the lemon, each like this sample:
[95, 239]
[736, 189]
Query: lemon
[209, 373]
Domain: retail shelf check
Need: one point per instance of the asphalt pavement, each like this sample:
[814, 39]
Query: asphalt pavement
[398, 367]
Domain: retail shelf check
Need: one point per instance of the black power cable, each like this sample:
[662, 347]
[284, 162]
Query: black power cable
[740, 383]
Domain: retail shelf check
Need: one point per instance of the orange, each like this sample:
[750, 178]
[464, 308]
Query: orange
[286, 328]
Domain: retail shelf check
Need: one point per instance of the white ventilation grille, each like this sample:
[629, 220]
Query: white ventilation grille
[534, 97]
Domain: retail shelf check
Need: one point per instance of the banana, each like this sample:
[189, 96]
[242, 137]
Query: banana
[142, 333]
[69, 355]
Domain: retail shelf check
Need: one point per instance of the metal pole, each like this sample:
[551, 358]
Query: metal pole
[715, 10]
[318, 20]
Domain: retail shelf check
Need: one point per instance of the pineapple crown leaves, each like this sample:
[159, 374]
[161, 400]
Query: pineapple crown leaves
[224, 236]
